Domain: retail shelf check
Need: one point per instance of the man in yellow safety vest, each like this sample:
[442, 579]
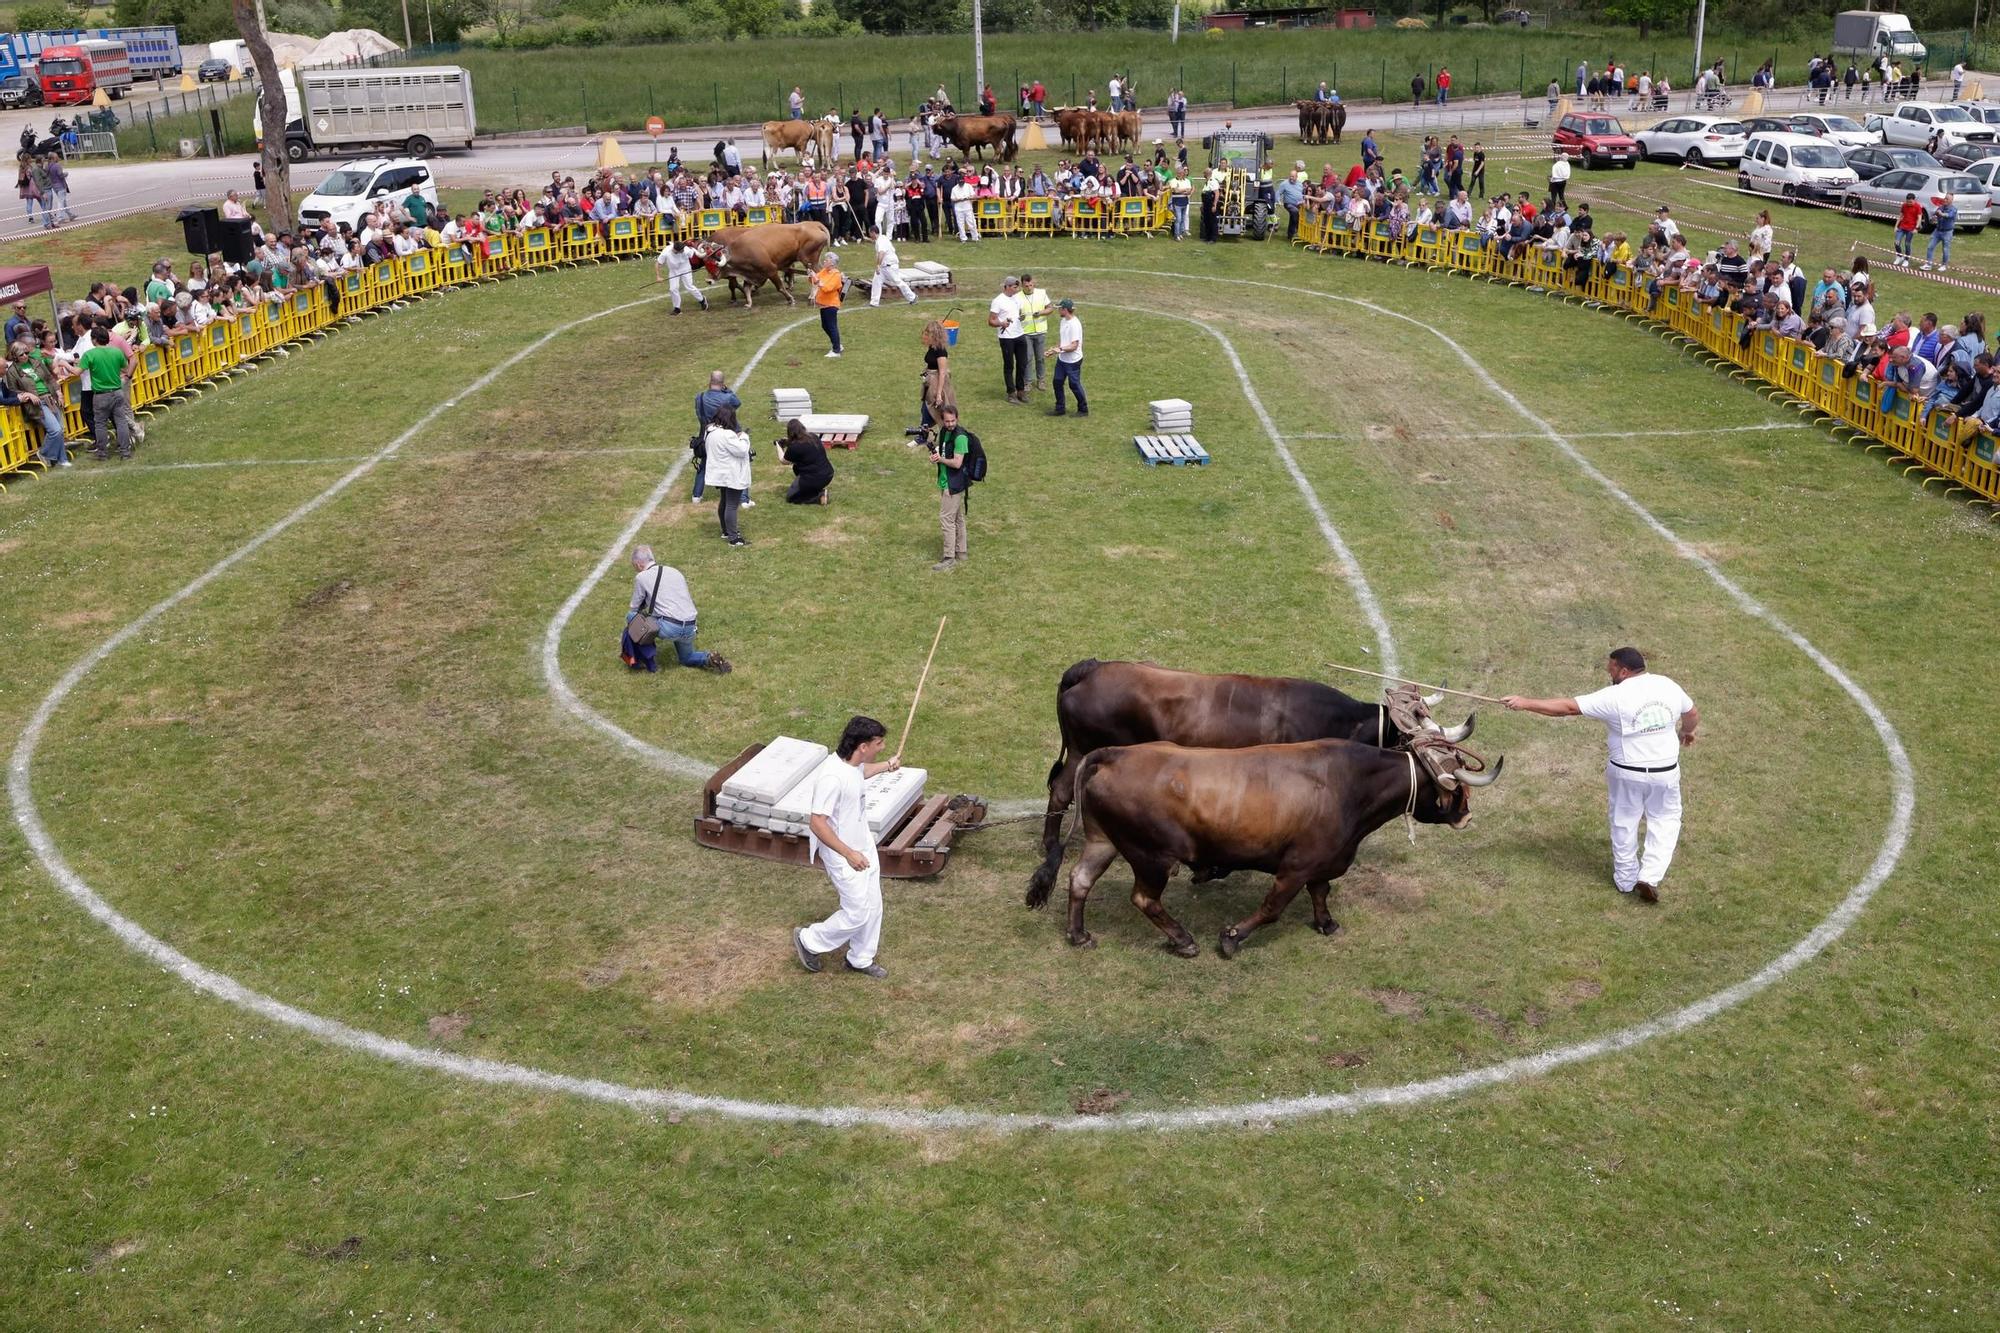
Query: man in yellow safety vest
[1034, 322]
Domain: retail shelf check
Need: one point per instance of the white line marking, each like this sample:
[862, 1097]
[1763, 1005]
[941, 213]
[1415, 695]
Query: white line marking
[686, 766]
[1829, 929]
[448, 456]
[1574, 435]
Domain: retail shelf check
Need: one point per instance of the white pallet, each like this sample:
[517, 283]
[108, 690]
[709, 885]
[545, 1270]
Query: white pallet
[1179, 450]
[773, 771]
[928, 268]
[1170, 406]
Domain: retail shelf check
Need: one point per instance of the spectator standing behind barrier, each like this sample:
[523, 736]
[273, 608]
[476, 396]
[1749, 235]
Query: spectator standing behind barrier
[660, 592]
[728, 470]
[1068, 353]
[828, 283]
[1944, 221]
[707, 403]
[797, 103]
[1035, 306]
[26, 386]
[108, 370]
[1559, 170]
[812, 471]
[950, 453]
[1004, 317]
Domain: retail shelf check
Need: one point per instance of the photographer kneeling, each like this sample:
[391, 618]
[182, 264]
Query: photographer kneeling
[812, 471]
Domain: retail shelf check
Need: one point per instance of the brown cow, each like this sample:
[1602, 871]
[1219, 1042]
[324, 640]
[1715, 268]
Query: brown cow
[1130, 127]
[753, 256]
[978, 133]
[1298, 812]
[798, 136]
[1130, 703]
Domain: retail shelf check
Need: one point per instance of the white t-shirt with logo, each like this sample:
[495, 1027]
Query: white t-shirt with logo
[1007, 309]
[1070, 331]
[1642, 715]
[836, 793]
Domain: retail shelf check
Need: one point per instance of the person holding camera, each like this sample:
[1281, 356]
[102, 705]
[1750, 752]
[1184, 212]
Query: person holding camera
[728, 469]
[812, 471]
[662, 608]
[707, 403]
[952, 452]
[937, 390]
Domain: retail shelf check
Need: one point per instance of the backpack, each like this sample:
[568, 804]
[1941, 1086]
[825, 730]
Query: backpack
[975, 458]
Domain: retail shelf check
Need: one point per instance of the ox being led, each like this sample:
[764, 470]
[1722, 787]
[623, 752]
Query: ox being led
[1222, 773]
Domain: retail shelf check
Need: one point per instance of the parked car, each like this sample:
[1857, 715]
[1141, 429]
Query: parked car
[1986, 111]
[1883, 197]
[1962, 155]
[1842, 130]
[1987, 173]
[1769, 125]
[1916, 122]
[1595, 141]
[1693, 139]
[1794, 166]
[1868, 163]
[215, 71]
[352, 189]
[20, 90]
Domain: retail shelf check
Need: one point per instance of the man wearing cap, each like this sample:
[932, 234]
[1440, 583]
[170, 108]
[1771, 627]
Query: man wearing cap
[1665, 225]
[1068, 353]
[1004, 318]
[1650, 720]
[1035, 324]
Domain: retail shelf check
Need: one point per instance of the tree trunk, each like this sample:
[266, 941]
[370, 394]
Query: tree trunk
[271, 111]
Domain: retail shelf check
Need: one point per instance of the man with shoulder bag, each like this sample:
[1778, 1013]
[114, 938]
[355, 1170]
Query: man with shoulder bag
[961, 462]
[662, 608]
[707, 403]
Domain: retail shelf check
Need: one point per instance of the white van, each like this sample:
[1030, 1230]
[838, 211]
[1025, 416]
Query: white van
[348, 193]
[1794, 166]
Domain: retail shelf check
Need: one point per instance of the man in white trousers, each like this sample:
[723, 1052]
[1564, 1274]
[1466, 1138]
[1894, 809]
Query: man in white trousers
[1650, 720]
[888, 272]
[962, 195]
[842, 845]
[676, 267]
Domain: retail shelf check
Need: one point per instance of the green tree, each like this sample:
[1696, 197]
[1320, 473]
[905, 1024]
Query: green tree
[899, 16]
[47, 16]
[1649, 14]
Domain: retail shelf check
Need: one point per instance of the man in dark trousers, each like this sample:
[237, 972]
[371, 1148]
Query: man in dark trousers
[717, 395]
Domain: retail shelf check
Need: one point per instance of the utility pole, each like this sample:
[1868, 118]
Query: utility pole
[1700, 23]
[978, 53]
[407, 43]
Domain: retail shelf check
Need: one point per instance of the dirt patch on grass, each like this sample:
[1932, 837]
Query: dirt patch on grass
[689, 971]
[1401, 1003]
[116, 1252]
[1343, 1059]
[337, 1252]
[831, 534]
[325, 594]
[74, 619]
[1138, 553]
[603, 974]
[958, 1045]
[1584, 988]
[1099, 1101]
[448, 1027]
[1495, 1024]
[1383, 889]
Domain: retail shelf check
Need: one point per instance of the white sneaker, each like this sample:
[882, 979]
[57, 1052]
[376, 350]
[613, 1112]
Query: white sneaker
[1926, 268]
[748, 503]
[833, 356]
[65, 463]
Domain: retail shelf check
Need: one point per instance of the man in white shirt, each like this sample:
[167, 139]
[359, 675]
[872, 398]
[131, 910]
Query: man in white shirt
[1068, 353]
[962, 195]
[1650, 720]
[888, 271]
[676, 266]
[842, 844]
[1116, 89]
[1004, 318]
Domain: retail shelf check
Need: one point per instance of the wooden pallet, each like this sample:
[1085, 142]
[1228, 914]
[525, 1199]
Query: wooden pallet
[915, 847]
[1179, 450]
[840, 440]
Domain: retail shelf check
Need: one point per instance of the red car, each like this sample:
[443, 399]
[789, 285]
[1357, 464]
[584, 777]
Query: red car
[1595, 141]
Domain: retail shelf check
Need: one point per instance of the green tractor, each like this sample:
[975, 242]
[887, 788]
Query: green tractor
[1248, 199]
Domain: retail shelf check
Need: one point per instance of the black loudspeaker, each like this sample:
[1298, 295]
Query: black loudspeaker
[202, 227]
[234, 240]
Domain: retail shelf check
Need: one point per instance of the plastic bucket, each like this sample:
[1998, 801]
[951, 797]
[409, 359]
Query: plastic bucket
[950, 333]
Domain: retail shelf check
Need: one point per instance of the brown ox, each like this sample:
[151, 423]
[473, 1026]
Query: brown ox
[1297, 812]
[797, 136]
[1129, 127]
[978, 133]
[1321, 122]
[1086, 131]
[753, 256]
[1129, 703]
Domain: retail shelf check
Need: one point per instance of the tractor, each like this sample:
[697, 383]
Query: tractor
[1248, 199]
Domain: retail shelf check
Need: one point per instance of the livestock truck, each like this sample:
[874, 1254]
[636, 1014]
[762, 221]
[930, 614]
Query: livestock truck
[413, 108]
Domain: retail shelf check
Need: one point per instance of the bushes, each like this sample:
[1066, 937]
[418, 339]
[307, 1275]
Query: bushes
[626, 23]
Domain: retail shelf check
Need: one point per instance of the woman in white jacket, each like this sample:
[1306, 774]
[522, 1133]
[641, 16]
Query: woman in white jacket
[728, 469]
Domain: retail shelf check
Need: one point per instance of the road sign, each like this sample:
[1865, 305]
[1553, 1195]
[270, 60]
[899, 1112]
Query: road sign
[655, 126]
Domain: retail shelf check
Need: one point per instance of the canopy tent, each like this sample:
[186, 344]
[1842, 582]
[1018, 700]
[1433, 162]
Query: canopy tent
[19, 283]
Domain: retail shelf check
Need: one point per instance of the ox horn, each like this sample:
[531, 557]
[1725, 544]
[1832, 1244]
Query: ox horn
[1461, 731]
[1433, 700]
[1486, 779]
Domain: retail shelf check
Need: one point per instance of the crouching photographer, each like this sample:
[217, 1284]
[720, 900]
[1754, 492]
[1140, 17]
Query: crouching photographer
[812, 470]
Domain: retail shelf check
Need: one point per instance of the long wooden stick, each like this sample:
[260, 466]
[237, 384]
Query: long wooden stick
[1433, 689]
[908, 721]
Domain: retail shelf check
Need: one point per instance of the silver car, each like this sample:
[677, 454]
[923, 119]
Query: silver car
[1883, 196]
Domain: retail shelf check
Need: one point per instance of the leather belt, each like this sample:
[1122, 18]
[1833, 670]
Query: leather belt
[1634, 768]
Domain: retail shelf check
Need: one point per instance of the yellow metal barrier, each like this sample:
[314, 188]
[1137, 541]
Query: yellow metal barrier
[624, 236]
[991, 216]
[1134, 216]
[539, 248]
[761, 215]
[1035, 216]
[1088, 217]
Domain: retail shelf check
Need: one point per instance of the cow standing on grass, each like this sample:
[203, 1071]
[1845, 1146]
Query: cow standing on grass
[1129, 703]
[1298, 812]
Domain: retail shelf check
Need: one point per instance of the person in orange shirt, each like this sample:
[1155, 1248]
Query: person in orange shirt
[828, 282]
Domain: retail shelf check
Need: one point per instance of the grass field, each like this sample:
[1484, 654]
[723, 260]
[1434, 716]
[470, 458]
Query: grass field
[335, 774]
